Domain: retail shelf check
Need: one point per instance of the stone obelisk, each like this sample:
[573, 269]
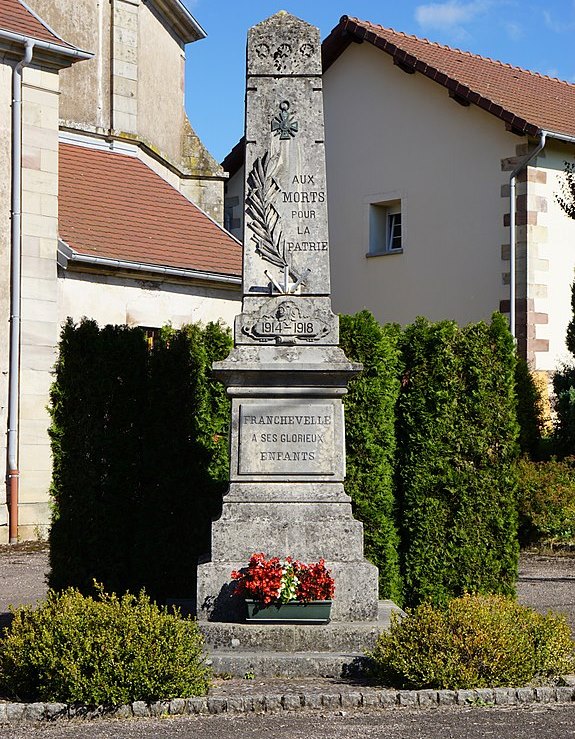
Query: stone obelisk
[286, 374]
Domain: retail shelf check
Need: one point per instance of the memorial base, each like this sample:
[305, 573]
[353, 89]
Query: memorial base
[306, 521]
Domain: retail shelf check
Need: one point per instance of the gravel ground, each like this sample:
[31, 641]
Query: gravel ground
[548, 584]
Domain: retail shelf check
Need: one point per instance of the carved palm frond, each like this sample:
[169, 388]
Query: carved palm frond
[264, 218]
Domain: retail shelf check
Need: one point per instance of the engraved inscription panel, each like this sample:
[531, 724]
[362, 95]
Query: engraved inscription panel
[295, 439]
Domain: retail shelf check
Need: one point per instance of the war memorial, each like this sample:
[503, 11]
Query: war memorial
[286, 377]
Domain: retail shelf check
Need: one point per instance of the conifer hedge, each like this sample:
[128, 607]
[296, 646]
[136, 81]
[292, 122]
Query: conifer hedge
[139, 440]
[456, 443]
[140, 446]
[370, 441]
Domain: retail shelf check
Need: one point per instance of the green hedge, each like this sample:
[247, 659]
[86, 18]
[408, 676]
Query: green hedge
[139, 440]
[456, 445]
[564, 388]
[529, 411]
[370, 441]
[140, 443]
[98, 414]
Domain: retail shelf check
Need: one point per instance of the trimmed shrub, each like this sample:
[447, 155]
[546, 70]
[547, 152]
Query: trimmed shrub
[139, 440]
[185, 458]
[564, 388]
[456, 447]
[476, 642]
[104, 651]
[98, 407]
[370, 441]
[546, 501]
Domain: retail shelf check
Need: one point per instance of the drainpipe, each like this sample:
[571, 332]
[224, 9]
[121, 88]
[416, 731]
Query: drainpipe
[15, 271]
[512, 229]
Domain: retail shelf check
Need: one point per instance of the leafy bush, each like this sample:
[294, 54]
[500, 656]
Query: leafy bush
[477, 641]
[564, 384]
[456, 446]
[108, 650]
[546, 500]
[370, 441]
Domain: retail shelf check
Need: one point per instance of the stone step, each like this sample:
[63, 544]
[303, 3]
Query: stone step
[337, 649]
[285, 664]
[334, 637]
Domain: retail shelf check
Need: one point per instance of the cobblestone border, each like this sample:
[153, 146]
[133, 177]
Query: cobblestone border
[276, 703]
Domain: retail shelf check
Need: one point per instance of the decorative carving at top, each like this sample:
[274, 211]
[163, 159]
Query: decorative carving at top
[284, 45]
[281, 56]
[262, 50]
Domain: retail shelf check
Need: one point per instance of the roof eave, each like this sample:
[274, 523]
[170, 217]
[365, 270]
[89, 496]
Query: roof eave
[347, 31]
[234, 160]
[180, 18]
[65, 55]
[67, 256]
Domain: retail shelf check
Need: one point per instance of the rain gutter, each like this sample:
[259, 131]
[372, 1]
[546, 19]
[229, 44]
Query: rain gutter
[67, 254]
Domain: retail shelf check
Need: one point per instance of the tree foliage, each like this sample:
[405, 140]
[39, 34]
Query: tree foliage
[456, 445]
[567, 197]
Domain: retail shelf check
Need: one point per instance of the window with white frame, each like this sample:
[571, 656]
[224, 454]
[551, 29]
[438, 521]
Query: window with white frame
[385, 228]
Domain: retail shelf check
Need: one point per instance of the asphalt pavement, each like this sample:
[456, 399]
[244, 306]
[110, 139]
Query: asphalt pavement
[532, 722]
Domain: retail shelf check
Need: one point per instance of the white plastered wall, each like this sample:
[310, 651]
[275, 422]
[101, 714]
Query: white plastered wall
[389, 133]
[119, 300]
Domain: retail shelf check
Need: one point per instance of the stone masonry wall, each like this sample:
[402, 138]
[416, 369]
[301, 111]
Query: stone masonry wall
[531, 206]
[39, 292]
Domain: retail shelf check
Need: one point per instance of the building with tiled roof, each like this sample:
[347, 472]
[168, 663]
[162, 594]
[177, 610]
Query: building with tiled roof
[147, 221]
[527, 102]
[422, 184]
[429, 150]
[110, 206]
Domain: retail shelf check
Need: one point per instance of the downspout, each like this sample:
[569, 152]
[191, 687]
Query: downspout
[15, 298]
[512, 228]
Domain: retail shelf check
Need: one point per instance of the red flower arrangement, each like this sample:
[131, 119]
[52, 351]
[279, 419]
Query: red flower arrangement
[275, 580]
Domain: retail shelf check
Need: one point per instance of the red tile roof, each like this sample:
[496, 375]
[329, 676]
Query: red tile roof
[113, 205]
[527, 101]
[17, 18]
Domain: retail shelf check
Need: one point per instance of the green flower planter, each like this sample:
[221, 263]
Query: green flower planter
[312, 612]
